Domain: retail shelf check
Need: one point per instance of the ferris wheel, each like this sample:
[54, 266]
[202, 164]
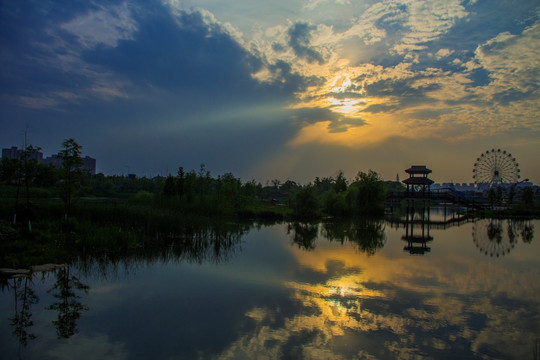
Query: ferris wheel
[496, 167]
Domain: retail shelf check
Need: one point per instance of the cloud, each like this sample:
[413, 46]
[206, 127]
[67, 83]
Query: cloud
[512, 63]
[105, 26]
[47, 71]
[299, 41]
[380, 70]
[179, 53]
[427, 21]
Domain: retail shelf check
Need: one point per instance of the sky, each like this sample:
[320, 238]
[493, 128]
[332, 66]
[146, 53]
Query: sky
[274, 89]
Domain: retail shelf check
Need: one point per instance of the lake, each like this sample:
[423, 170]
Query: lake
[330, 290]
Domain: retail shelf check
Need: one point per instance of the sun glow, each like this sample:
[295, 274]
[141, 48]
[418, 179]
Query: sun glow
[346, 106]
[343, 86]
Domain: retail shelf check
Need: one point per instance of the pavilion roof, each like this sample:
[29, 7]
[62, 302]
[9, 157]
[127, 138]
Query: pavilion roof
[418, 181]
[418, 169]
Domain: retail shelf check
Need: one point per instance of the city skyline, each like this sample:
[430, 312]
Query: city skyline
[282, 90]
[88, 162]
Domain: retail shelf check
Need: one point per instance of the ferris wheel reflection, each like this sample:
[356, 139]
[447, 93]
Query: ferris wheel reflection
[497, 237]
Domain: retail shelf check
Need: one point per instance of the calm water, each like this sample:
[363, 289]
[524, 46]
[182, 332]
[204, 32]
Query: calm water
[291, 291]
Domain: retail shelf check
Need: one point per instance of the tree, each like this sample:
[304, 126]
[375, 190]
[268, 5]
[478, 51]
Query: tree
[29, 171]
[305, 203]
[366, 195]
[169, 189]
[527, 197]
[71, 172]
[9, 169]
[180, 182]
[340, 184]
[46, 175]
[491, 197]
[499, 196]
[511, 194]
[26, 168]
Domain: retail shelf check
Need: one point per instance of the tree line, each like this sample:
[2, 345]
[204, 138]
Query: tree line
[329, 196]
[192, 191]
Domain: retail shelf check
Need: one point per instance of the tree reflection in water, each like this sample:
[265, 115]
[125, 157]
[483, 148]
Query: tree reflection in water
[304, 234]
[68, 306]
[213, 242]
[21, 321]
[366, 235]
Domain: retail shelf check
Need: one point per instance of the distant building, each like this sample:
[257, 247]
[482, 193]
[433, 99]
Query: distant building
[12, 153]
[89, 164]
[55, 160]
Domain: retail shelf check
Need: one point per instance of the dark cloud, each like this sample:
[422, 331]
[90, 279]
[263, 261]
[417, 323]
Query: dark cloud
[172, 70]
[299, 41]
[343, 124]
[288, 81]
[402, 90]
[183, 55]
[26, 47]
[338, 123]
[392, 22]
[190, 56]
[480, 77]
[314, 115]
[508, 96]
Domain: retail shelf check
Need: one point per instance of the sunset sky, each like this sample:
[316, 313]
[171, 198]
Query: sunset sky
[275, 89]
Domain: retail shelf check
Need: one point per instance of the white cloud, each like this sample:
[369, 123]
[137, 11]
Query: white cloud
[106, 26]
[443, 53]
[512, 61]
[426, 21]
[312, 4]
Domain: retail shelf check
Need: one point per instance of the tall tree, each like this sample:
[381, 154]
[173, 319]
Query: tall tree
[180, 182]
[71, 171]
[340, 184]
[169, 188]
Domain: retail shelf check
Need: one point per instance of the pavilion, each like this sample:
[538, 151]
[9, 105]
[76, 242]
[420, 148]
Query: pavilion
[418, 181]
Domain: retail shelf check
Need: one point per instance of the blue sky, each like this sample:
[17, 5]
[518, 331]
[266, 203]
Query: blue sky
[282, 89]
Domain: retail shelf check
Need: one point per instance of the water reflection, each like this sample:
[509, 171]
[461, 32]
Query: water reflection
[417, 241]
[190, 243]
[497, 237]
[365, 235]
[294, 290]
[447, 305]
[216, 242]
[303, 234]
[24, 297]
[68, 306]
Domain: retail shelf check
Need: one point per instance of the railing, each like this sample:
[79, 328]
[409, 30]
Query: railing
[446, 194]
